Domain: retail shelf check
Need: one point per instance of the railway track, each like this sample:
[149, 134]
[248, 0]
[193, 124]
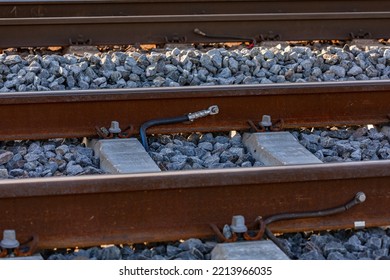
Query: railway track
[64, 23]
[138, 207]
[118, 209]
[43, 115]
[80, 8]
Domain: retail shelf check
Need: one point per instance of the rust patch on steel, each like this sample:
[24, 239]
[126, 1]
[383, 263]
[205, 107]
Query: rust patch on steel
[91, 210]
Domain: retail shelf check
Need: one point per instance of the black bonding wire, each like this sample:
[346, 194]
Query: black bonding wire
[145, 126]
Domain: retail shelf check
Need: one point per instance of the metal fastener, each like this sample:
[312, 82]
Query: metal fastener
[238, 224]
[359, 224]
[266, 121]
[360, 197]
[9, 239]
[212, 110]
[114, 128]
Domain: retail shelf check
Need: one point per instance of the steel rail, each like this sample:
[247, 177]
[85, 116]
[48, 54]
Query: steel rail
[43, 115]
[77, 8]
[106, 209]
[160, 29]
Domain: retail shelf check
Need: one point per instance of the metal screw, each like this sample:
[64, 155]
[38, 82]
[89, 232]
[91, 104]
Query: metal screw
[114, 128]
[238, 224]
[266, 121]
[9, 239]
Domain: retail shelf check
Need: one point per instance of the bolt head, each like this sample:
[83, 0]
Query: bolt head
[238, 224]
[266, 121]
[114, 128]
[9, 239]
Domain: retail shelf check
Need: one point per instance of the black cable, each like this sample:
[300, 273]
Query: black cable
[145, 126]
[212, 110]
[360, 197]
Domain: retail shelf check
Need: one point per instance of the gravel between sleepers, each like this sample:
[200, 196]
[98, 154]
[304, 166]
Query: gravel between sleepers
[172, 67]
[70, 157]
[55, 157]
[224, 150]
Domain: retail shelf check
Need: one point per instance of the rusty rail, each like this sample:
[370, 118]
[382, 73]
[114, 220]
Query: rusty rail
[92, 210]
[83, 8]
[77, 114]
[161, 29]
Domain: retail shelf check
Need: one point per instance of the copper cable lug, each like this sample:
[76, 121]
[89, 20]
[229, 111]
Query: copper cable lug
[212, 110]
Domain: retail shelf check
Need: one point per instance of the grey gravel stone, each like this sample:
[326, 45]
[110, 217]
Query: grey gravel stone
[186, 256]
[12, 59]
[312, 255]
[385, 241]
[17, 172]
[380, 254]
[374, 243]
[355, 70]
[354, 244]
[62, 150]
[5, 157]
[3, 173]
[335, 255]
[73, 169]
[110, 253]
[386, 54]
[172, 251]
[57, 257]
[190, 243]
[206, 146]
